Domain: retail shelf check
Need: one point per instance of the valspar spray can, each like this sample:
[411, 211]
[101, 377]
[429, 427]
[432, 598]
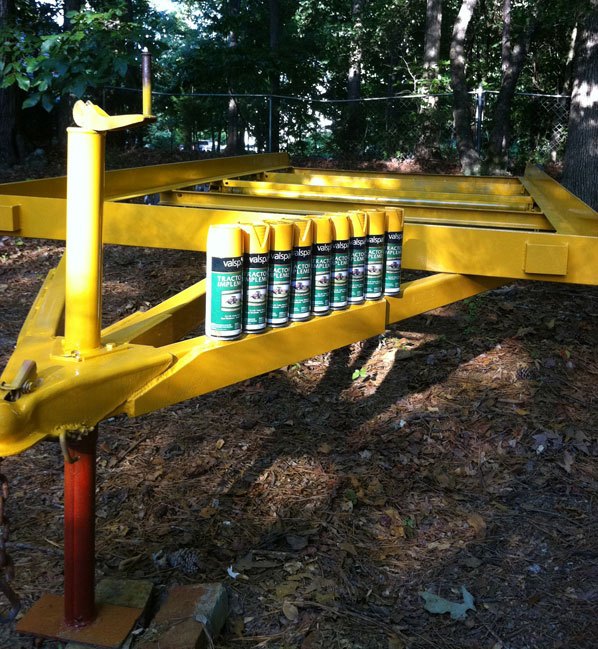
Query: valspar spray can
[256, 261]
[301, 275]
[339, 263]
[357, 229]
[279, 277]
[322, 247]
[375, 244]
[224, 264]
[394, 251]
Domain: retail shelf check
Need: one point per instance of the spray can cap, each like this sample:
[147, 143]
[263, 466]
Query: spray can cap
[322, 229]
[340, 227]
[281, 235]
[358, 222]
[225, 240]
[394, 219]
[256, 237]
[376, 222]
[303, 232]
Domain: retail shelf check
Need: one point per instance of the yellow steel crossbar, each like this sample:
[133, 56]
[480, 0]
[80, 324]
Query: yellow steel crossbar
[470, 216]
[409, 182]
[396, 197]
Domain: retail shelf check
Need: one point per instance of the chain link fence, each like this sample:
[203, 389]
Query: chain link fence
[399, 127]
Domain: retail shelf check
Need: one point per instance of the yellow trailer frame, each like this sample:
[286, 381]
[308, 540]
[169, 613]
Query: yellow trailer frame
[67, 373]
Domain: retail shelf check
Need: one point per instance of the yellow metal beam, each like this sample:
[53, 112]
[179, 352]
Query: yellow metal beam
[424, 182]
[524, 220]
[127, 183]
[501, 253]
[395, 197]
[567, 213]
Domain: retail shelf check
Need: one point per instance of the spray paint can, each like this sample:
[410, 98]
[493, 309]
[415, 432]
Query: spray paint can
[301, 275]
[321, 252]
[224, 290]
[394, 251]
[339, 264]
[256, 260]
[357, 229]
[375, 244]
[279, 276]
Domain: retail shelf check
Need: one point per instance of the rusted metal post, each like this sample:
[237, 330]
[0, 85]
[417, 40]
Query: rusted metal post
[79, 531]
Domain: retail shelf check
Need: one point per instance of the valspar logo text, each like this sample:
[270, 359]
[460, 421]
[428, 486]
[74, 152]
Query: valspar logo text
[258, 259]
[301, 252]
[374, 239]
[341, 245]
[281, 256]
[232, 263]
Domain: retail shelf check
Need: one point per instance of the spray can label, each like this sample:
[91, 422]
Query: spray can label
[374, 275]
[394, 249]
[300, 307]
[339, 274]
[255, 291]
[226, 296]
[278, 287]
[356, 269]
[321, 265]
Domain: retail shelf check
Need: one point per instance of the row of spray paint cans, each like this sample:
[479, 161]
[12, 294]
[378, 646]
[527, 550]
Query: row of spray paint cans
[275, 272]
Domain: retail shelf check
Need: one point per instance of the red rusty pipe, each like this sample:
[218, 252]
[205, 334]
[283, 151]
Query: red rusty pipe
[79, 531]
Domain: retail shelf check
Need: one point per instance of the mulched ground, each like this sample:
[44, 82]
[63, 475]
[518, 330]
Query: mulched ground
[463, 455]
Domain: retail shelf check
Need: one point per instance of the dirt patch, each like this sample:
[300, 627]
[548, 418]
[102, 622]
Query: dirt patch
[462, 455]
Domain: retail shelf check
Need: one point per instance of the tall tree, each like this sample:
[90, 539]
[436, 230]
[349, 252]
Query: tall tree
[581, 155]
[432, 37]
[9, 150]
[274, 120]
[512, 60]
[235, 134]
[468, 156]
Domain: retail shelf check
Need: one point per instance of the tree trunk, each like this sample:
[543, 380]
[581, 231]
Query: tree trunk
[432, 37]
[235, 141]
[581, 154]
[513, 60]
[9, 151]
[427, 147]
[355, 120]
[274, 108]
[469, 157]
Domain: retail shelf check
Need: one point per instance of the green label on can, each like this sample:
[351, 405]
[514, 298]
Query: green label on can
[300, 306]
[394, 249]
[339, 274]
[320, 302]
[374, 273]
[278, 287]
[255, 291]
[356, 269]
[226, 282]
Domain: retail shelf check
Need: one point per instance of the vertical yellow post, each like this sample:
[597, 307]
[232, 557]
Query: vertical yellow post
[85, 196]
[146, 82]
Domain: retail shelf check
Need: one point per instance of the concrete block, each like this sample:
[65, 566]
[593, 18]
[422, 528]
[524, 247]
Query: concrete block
[189, 617]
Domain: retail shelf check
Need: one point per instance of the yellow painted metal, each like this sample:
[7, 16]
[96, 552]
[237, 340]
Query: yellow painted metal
[434, 214]
[546, 259]
[395, 197]
[496, 253]
[567, 213]
[91, 117]
[422, 182]
[9, 218]
[128, 183]
[204, 365]
[85, 172]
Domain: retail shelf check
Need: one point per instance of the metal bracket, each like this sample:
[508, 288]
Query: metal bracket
[23, 383]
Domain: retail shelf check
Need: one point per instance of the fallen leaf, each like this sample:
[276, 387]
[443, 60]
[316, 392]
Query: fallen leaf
[568, 460]
[349, 548]
[286, 589]
[291, 612]
[219, 444]
[478, 524]
[325, 448]
[438, 605]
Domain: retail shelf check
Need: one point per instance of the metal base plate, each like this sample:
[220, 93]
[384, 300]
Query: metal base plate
[110, 628]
